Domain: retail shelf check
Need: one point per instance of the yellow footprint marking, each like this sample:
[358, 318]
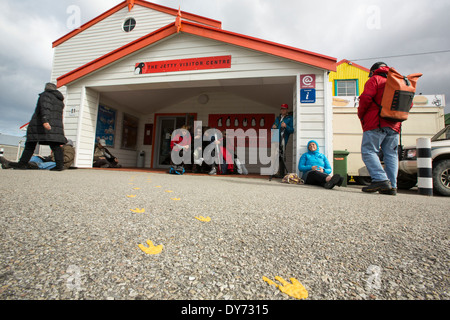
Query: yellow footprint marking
[169, 191]
[137, 210]
[203, 219]
[158, 187]
[294, 289]
[176, 199]
[151, 249]
[132, 196]
[136, 188]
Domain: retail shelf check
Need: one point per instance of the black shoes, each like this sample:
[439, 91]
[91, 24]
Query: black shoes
[16, 165]
[391, 192]
[57, 169]
[335, 180]
[384, 187]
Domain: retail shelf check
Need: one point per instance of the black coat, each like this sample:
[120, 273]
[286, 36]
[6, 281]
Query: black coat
[49, 108]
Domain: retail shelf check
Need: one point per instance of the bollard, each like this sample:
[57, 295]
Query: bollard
[424, 167]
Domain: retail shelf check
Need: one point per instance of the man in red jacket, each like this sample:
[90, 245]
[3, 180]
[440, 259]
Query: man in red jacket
[378, 133]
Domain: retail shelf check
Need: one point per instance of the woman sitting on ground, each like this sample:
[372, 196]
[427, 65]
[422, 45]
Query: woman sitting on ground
[316, 168]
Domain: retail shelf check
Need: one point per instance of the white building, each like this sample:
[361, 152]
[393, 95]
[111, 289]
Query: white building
[138, 71]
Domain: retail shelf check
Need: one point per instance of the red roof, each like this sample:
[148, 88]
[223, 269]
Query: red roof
[120, 6]
[352, 64]
[291, 53]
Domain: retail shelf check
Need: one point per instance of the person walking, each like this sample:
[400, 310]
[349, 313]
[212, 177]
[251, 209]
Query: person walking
[379, 135]
[46, 128]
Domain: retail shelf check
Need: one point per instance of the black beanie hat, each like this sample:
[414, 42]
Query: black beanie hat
[50, 87]
[377, 65]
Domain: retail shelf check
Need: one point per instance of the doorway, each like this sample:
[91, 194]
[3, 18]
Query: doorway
[165, 126]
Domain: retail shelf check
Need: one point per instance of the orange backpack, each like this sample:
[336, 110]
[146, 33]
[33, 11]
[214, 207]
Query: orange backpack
[398, 95]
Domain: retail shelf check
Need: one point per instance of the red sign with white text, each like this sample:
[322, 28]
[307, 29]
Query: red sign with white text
[308, 81]
[206, 63]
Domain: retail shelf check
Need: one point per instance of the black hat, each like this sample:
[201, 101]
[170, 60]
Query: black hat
[377, 65]
[50, 87]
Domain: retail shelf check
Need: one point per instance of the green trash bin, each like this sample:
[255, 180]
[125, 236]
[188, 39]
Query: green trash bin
[340, 164]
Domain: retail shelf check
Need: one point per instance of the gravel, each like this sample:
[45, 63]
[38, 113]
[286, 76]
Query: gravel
[71, 236]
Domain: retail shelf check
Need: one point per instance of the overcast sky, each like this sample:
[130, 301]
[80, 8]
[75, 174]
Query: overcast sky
[372, 30]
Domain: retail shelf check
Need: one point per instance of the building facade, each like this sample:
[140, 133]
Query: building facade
[140, 70]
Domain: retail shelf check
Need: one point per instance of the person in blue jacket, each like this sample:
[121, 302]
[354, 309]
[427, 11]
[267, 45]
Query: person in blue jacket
[285, 125]
[316, 169]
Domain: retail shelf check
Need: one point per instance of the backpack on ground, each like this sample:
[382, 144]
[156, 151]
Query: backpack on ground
[398, 95]
[292, 178]
[177, 170]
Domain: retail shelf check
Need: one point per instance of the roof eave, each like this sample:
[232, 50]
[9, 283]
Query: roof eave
[351, 63]
[295, 54]
[287, 52]
[117, 54]
[207, 21]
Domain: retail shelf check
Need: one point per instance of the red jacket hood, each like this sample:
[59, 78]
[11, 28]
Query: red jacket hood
[380, 71]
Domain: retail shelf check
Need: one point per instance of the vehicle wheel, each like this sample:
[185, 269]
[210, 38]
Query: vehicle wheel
[441, 177]
[406, 184]
[362, 180]
[406, 181]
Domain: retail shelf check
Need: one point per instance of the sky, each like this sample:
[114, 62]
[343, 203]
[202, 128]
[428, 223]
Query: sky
[411, 36]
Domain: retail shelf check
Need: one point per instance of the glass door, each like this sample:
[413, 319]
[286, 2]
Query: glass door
[165, 127]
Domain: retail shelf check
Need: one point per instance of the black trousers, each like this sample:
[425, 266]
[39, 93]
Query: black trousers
[316, 178]
[31, 146]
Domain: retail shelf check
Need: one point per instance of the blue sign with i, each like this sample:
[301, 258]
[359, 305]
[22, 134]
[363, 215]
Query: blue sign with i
[307, 95]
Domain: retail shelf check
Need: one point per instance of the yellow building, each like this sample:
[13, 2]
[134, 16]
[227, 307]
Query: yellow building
[349, 79]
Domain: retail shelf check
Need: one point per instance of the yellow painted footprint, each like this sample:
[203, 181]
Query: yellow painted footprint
[136, 188]
[294, 289]
[169, 191]
[158, 187]
[176, 199]
[132, 196]
[151, 249]
[137, 210]
[203, 219]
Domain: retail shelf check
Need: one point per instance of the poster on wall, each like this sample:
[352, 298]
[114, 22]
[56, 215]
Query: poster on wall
[129, 132]
[106, 125]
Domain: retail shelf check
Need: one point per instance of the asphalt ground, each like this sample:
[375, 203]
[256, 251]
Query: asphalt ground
[71, 235]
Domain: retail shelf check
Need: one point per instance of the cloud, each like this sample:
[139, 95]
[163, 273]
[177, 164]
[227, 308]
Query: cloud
[350, 29]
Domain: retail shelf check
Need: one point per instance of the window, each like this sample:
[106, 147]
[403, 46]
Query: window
[346, 88]
[129, 25]
[129, 132]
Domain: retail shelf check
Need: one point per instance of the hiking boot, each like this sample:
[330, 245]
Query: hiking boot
[32, 166]
[333, 181]
[377, 186]
[57, 169]
[5, 163]
[392, 191]
[340, 182]
[17, 165]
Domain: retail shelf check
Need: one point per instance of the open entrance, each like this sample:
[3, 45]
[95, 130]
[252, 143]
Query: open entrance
[248, 103]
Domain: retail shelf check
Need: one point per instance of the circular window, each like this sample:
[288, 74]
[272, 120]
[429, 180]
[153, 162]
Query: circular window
[129, 25]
